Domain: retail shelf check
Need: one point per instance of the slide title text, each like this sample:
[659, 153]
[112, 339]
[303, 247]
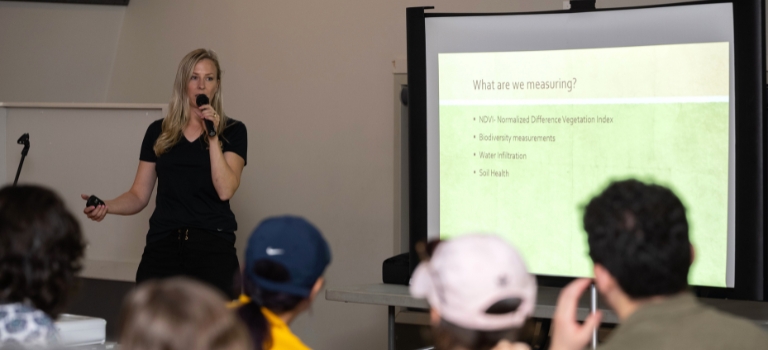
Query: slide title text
[560, 84]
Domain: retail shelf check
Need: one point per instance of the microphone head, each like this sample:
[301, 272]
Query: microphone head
[201, 99]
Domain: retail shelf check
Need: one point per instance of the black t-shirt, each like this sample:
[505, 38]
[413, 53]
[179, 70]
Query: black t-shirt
[185, 193]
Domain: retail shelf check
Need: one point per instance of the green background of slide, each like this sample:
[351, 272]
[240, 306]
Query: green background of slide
[539, 207]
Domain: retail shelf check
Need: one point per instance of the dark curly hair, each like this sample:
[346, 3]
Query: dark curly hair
[639, 233]
[41, 247]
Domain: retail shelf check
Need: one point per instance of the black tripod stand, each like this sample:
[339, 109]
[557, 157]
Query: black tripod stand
[23, 140]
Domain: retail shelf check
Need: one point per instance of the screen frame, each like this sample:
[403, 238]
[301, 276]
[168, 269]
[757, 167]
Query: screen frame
[84, 2]
[749, 66]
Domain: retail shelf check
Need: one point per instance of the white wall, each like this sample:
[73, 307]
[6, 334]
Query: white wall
[57, 52]
[85, 148]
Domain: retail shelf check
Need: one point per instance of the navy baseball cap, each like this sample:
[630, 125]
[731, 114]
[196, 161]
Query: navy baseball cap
[293, 243]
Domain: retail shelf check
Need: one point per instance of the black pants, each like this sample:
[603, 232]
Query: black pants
[194, 253]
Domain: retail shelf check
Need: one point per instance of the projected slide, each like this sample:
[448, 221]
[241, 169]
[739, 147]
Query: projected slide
[526, 138]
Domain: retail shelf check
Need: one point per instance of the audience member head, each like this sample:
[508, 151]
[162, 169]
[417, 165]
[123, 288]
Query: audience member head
[479, 292]
[41, 248]
[638, 236]
[179, 314]
[284, 264]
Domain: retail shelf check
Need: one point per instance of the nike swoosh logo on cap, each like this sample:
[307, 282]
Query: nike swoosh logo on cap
[274, 251]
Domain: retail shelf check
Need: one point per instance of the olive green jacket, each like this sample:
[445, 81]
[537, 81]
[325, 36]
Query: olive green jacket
[682, 322]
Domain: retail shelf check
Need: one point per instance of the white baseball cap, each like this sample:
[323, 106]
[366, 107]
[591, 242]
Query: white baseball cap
[468, 275]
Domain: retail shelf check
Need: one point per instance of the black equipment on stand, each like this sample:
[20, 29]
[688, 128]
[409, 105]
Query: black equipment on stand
[23, 140]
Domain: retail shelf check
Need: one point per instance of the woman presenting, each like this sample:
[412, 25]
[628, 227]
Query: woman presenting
[191, 231]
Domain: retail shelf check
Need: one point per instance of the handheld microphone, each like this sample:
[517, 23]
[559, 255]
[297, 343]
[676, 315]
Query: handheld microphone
[202, 100]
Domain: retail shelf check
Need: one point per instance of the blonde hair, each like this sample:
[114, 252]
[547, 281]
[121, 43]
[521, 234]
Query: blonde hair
[180, 314]
[178, 108]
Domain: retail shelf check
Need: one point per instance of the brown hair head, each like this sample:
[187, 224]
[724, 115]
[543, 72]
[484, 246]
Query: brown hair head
[179, 314]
